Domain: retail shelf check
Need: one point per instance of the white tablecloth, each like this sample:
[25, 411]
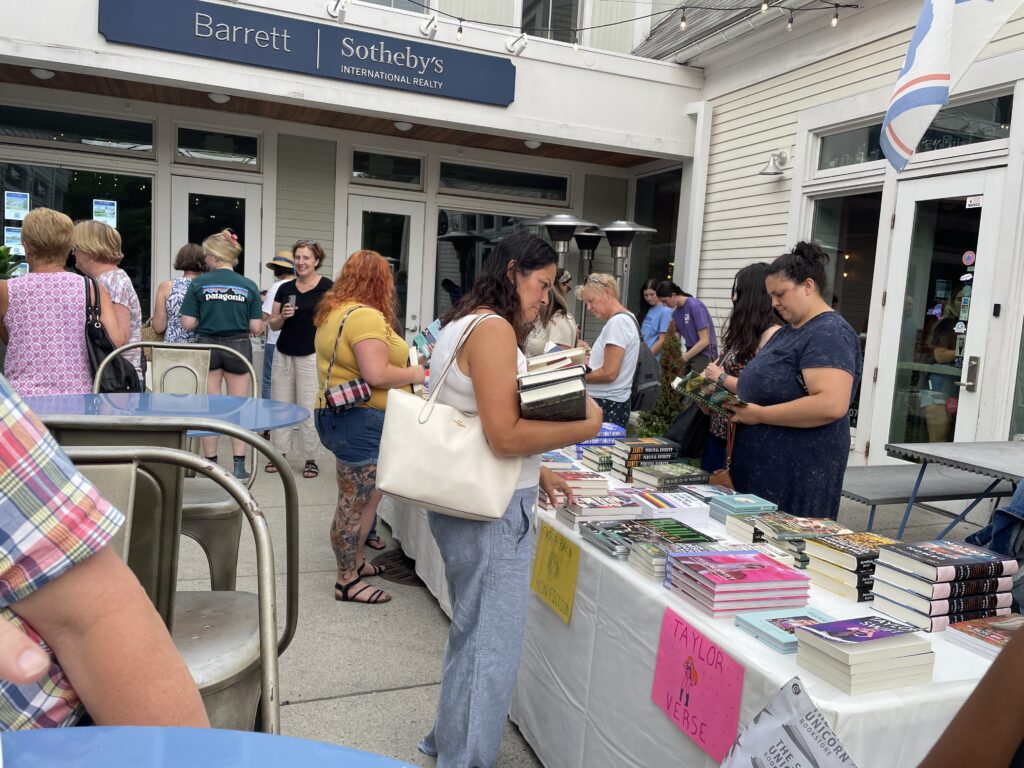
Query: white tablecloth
[583, 698]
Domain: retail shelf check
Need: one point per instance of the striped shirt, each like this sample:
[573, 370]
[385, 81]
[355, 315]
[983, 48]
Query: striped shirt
[51, 519]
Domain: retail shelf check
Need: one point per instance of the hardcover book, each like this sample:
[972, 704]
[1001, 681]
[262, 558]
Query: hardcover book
[940, 590]
[707, 492]
[853, 551]
[952, 605]
[562, 401]
[633, 447]
[533, 380]
[947, 560]
[581, 478]
[669, 475]
[859, 579]
[985, 636]
[930, 623]
[552, 361]
[858, 631]
[855, 594]
[707, 393]
[739, 504]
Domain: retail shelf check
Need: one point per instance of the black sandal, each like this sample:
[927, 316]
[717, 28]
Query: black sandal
[378, 595]
[370, 569]
[311, 470]
[376, 542]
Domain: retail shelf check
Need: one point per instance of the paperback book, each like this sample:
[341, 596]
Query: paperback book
[636, 447]
[707, 393]
[738, 571]
[706, 492]
[777, 628]
[563, 400]
[597, 458]
[947, 560]
[930, 623]
[425, 340]
[672, 475]
[603, 505]
[724, 505]
[555, 460]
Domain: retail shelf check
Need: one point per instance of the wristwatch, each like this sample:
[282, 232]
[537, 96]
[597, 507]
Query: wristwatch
[721, 378]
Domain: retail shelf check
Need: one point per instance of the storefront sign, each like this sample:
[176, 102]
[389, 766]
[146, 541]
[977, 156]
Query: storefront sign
[105, 211]
[554, 571]
[698, 686]
[12, 239]
[216, 31]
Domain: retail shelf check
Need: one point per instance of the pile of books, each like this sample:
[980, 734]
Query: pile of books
[781, 529]
[632, 452]
[985, 636]
[606, 437]
[581, 482]
[554, 395]
[706, 492]
[669, 476]
[679, 505]
[866, 654]
[597, 508]
[707, 393]
[555, 460]
[647, 554]
[726, 505]
[778, 628]
[649, 557]
[598, 458]
[616, 537]
[726, 583]
[845, 563]
[556, 361]
[933, 584]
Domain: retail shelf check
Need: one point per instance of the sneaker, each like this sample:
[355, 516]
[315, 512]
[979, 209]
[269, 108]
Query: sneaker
[239, 470]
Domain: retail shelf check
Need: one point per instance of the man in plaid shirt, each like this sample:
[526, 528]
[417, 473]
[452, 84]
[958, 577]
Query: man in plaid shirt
[74, 599]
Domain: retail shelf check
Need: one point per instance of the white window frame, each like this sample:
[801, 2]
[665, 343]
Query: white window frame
[385, 182]
[179, 159]
[81, 149]
[478, 195]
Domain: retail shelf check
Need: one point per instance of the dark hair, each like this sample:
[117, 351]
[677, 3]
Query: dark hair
[752, 312]
[805, 261]
[190, 258]
[667, 288]
[495, 288]
[281, 272]
[650, 285]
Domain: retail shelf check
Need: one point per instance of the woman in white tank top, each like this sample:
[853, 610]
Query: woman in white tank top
[487, 564]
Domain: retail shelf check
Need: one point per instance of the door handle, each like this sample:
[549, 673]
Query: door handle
[971, 382]
[411, 328]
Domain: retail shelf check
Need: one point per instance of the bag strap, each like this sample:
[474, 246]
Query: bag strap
[337, 340]
[428, 406]
[730, 442]
[92, 301]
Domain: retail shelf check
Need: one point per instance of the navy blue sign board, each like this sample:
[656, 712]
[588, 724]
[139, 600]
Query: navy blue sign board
[333, 51]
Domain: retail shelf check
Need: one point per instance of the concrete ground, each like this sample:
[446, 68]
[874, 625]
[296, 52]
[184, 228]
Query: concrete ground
[365, 676]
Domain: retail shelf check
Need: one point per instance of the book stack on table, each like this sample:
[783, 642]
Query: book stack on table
[783, 530]
[985, 636]
[616, 537]
[597, 458]
[648, 553]
[628, 453]
[706, 492]
[845, 563]
[555, 460]
[605, 437]
[679, 505]
[724, 506]
[554, 395]
[582, 483]
[933, 584]
[866, 654]
[726, 583]
[597, 508]
[777, 628]
[669, 476]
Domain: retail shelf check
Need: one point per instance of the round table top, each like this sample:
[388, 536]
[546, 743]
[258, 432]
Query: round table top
[103, 747]
[250, 413]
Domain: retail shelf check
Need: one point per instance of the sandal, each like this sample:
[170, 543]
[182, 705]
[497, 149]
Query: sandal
[377, 596]
[271, 468]
[376, 542]
[311, 470]
[370, 569]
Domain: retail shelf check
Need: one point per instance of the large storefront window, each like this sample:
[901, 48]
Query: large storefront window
[653, 254]
[123, 201]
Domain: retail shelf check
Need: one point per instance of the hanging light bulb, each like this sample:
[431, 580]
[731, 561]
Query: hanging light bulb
[682, 20]
[789, 24]
[835, 17]
[764, 6]
[458, 34]
[575, 39]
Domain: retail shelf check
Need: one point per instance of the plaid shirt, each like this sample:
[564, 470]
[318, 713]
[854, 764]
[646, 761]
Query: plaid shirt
[51, 518]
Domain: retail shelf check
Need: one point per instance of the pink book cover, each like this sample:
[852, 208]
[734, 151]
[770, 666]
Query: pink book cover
[738, 571]
[571, 475]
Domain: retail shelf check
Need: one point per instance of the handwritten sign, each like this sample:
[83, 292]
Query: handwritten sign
[554, 571]
[698, 686]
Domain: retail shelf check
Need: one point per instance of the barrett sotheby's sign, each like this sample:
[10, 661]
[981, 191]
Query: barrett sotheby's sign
[227, 33]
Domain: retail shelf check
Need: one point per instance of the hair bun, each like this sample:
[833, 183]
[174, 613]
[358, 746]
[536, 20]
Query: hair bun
[811, 252]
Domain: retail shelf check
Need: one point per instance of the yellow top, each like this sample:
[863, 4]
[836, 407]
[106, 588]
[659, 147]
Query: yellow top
[364, 323]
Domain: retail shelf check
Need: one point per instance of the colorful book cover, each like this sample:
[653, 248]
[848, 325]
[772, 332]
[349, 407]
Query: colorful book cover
[783, 526]
[780, 625]
[707, 393]
[671, 474]
[742, 504]
[642, 445]
[994, 631]
[555, 460]
[860, 630]
[948, 560]
[427, 338]
[737, 570]
[576, 476]
[678, 500]
[584, 504]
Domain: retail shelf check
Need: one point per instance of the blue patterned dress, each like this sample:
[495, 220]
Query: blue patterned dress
[175, 333]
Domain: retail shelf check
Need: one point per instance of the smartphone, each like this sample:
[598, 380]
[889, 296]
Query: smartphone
[293, 300]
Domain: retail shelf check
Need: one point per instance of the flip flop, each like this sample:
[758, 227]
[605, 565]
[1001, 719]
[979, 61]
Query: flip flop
[375, 542]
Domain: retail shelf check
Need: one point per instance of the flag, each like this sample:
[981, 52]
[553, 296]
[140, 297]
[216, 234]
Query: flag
[933, 67]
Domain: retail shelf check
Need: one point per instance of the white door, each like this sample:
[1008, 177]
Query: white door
[393, 228]
[203, 207]
[932, 371]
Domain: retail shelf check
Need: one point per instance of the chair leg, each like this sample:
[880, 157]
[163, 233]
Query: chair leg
[871, 516]
[219, 538]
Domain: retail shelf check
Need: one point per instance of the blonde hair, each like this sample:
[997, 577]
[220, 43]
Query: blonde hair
[599, 281]
[99, 240]
[223, 246]
[48, 234]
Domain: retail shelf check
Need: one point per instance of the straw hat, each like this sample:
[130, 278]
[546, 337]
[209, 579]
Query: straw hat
[282, 260]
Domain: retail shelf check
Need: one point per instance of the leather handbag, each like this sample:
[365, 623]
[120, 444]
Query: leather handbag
[341, 397]
[119, 375]
[723, 476]
[437, 457]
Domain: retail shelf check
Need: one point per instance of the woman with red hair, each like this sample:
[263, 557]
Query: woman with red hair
[355, 339]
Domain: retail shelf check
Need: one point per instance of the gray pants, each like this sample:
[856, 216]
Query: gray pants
[487, 566]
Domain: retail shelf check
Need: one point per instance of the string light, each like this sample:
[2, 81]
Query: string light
[682, 20]
[458, 35]
[764, 6]
[575, 40]
[789, 24]
[835, 17]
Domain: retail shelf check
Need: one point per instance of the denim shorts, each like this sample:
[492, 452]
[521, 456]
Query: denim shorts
[225, 361]
[353, 435]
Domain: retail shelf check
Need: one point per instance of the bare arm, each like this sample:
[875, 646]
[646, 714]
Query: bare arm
[489, 359]
[702, 343]
[256, 326]
[159, 318]
[374, 366]
[189, 323]
[829, 392]
[114, 318]
[113, 646]
[609, 370]
[279, 314]
[656, 346]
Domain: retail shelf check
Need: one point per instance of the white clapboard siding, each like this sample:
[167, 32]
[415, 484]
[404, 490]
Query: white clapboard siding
[305, 195]
[745, 215]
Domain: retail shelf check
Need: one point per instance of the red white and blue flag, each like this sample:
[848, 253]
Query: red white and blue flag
[934, 65]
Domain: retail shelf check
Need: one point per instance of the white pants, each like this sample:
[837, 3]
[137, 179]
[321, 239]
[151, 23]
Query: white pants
[294, 380]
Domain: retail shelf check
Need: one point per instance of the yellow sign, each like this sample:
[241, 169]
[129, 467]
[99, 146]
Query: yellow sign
[554, 571]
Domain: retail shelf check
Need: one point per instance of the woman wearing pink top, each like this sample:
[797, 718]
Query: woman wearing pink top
[42, 314]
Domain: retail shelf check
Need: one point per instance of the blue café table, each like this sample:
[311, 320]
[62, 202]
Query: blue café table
[105, 747]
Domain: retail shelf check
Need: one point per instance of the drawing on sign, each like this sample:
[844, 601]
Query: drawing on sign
[935, 311]
[969, 258]
[960, 327]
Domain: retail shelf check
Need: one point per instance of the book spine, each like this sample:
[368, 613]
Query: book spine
[939, 623]
[969, 571]
[974, 587]
[961, 605]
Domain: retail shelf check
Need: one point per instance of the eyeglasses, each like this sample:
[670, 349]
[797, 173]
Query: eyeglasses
[598, 281]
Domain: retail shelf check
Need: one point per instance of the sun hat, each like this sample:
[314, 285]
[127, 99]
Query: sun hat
[282, 260]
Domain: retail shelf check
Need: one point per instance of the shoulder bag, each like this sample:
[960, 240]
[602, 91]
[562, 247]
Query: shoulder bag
[723, 476]
[437, 457]
[119, 375]
[341, 397]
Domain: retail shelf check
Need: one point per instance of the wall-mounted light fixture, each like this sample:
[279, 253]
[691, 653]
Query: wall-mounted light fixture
[219, 98]
[516, 45]
[429, 26]
[403, 126]
[776, 162]
[336, 9]
[42, 74]
[532, 144]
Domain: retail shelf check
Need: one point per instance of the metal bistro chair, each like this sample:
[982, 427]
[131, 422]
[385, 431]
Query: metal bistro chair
[228, 639]
[209, 516]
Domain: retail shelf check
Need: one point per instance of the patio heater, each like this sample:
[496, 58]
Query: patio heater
[620, 237]
[561, 227]
[587, 242]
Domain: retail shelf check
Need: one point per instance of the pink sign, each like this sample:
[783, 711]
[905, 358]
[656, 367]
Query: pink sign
[698, 686]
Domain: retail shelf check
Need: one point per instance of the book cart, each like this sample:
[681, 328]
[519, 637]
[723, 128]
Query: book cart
[583, 696]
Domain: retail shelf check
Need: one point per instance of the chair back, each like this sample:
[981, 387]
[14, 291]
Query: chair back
[179, 371]
[116, 484]
[181, 364]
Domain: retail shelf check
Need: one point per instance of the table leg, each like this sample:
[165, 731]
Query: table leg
[913, 499]
[871, 516]
[960, 518]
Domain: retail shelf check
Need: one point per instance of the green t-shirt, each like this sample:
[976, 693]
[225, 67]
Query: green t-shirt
[223, 301]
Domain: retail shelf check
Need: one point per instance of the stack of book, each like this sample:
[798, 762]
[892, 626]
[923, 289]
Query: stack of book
[985, 636]
[554, 395]
[726, 583]
[669, 476]
[557, 360]
[724, 505]
[598, 458]
[616, 537]
[555, 460]
[845, 563]
[776, 554]
[679, 505]
[648, 553]
[606, 437]
[649, 557]
[631, 452]
[866, 654]
[582, 483]
[707, 492]
[783, 530]
[933, 584]
[597, 508]
[778, 628]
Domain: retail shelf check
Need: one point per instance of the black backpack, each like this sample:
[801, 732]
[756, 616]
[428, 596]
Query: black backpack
[646, 377]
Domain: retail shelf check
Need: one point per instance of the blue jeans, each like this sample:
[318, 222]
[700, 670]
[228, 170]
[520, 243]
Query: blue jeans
[487, 567]
[353, 436]
[268, 359]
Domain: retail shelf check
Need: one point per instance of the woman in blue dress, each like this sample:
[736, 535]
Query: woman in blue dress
[793, 438]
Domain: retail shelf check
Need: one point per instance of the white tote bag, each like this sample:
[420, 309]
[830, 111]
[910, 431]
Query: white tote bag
[437, 457]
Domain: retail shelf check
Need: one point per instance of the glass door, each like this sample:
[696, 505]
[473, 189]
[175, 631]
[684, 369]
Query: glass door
[393, 228]
[939, 300]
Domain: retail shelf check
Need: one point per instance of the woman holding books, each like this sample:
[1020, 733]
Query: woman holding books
[356, 344]
[487, 564]
[751, 324]
[616, 350]
[793, 438]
